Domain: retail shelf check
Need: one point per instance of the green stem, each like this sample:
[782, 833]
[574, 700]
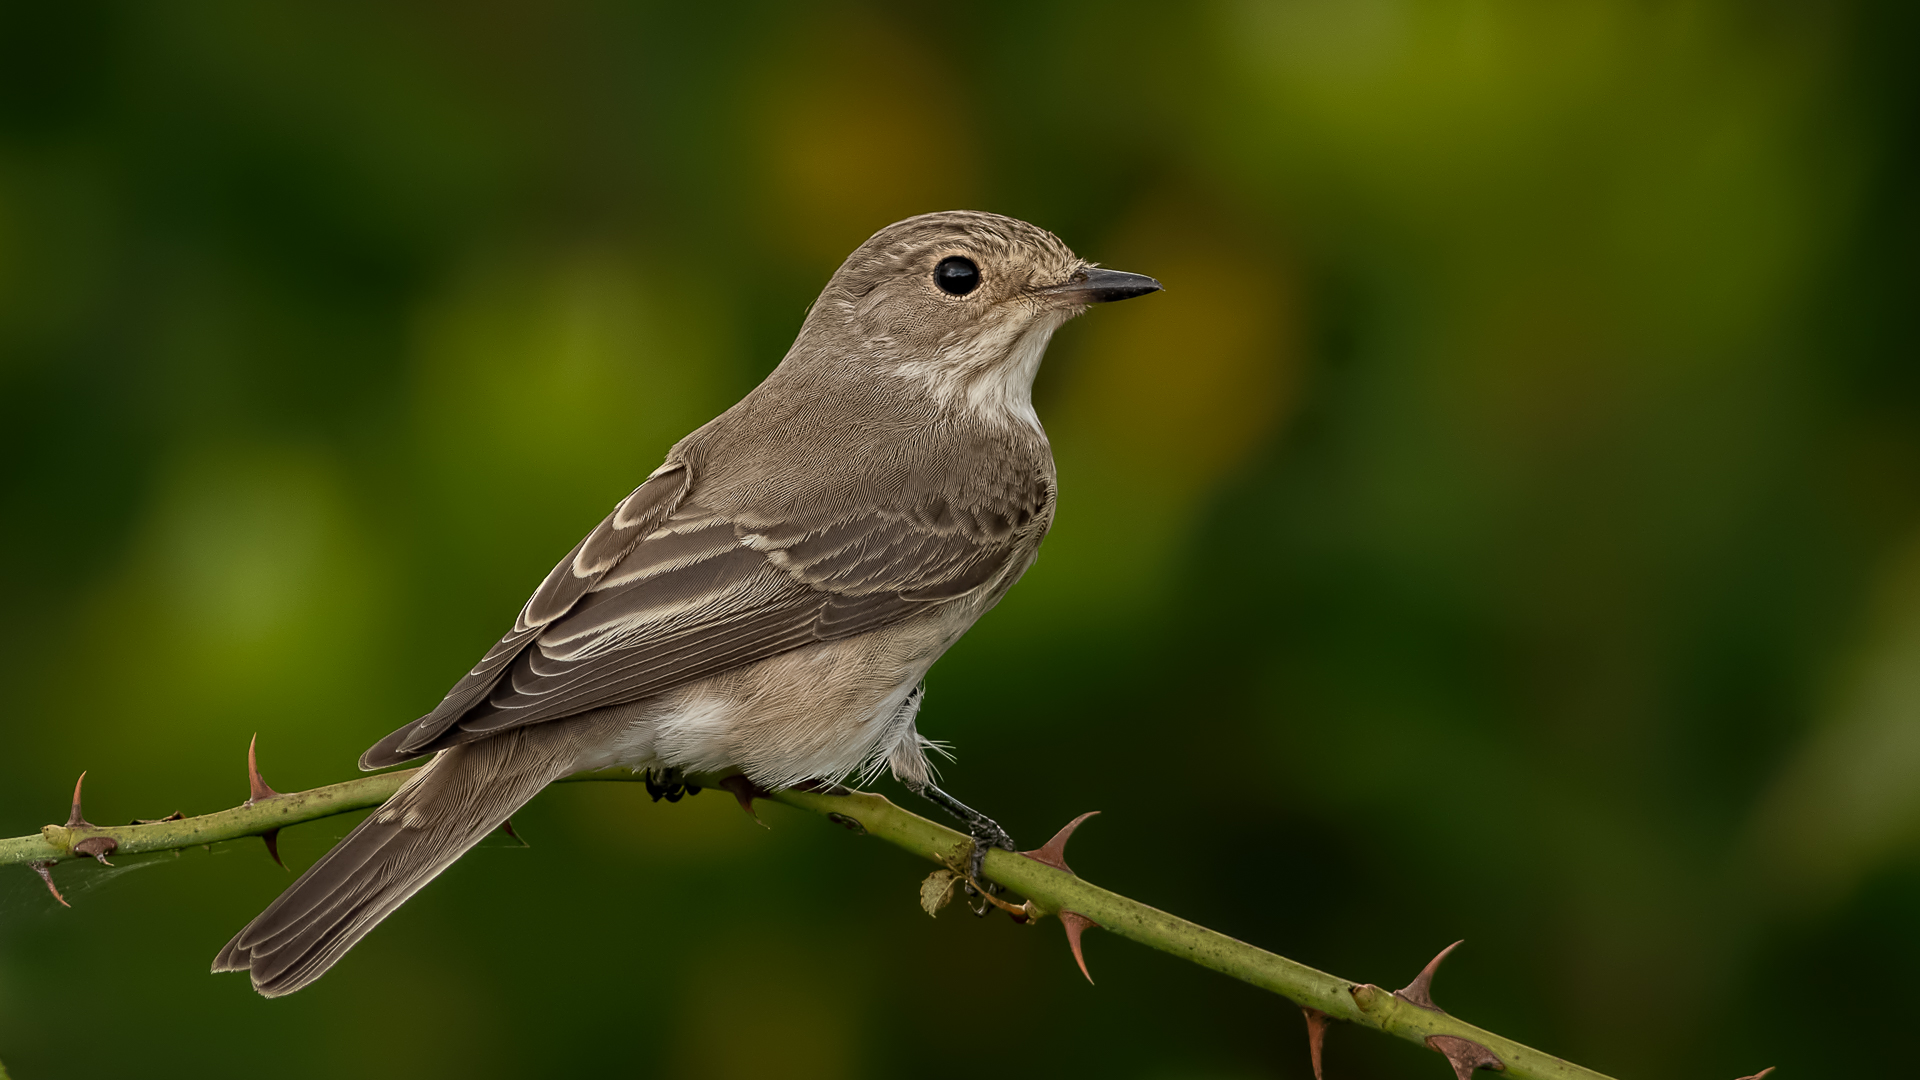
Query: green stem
[56, 842]
[1050, 891]
[1054, 890]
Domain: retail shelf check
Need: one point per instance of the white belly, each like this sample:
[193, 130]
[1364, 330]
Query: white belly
[822, 712]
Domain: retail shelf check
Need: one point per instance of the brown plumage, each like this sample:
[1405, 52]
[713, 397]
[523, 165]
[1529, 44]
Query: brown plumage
[770, 599]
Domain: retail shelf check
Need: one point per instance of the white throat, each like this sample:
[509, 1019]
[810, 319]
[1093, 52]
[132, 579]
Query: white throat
[991, 376]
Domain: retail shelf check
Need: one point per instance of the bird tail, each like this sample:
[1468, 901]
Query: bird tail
[462, 795]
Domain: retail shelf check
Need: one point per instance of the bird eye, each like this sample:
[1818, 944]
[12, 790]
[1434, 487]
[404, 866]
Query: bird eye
[956, 276]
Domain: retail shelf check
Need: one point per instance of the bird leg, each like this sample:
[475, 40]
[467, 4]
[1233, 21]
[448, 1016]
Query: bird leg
[985, 831]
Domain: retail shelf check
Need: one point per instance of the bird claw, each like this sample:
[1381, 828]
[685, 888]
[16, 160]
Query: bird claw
[986, 834]
[669, 784]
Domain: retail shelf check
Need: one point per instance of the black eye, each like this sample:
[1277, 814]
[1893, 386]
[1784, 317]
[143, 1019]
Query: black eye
[956, 276]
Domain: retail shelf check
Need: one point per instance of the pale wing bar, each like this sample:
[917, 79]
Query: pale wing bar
[698, 596]
[753, 613]
[634, 518]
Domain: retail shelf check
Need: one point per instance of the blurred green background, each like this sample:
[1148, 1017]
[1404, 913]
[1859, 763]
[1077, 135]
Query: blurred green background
[1506, 526]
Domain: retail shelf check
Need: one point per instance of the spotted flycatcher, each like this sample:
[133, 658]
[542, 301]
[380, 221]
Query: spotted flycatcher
[768, 601]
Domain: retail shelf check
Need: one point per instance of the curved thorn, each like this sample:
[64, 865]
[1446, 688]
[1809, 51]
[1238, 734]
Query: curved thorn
[1317, 1022]
[1054, 852]
[257, 788]
[272, 837]
[1464, 1055]
[1076, 924]
[77, 820]
[508, 826]
[744, 792]
[44, 868]
[1420, 990]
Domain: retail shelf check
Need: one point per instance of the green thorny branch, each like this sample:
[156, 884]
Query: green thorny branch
[1042, 876]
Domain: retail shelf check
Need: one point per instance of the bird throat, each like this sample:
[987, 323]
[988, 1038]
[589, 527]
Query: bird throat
[990, 377]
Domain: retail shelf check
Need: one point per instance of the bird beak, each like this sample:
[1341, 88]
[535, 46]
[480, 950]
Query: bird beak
[1098, 286]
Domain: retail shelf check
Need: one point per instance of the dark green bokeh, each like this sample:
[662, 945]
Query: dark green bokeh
[1506, 526]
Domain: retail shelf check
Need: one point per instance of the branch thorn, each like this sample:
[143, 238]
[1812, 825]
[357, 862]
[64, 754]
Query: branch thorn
[1464, 1055]
[44, 867]
[744, 791]
[1076, 924]
[272, 837]
[507, 826]
[93, 847]
[1420, 990]
[1054, 854]
[257, 789]
[77, 820]
[1317, 1022]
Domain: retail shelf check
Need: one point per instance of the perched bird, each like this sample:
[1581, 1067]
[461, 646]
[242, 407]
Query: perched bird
[770, 599]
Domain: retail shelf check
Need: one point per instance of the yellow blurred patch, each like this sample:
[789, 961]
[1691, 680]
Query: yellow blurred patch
[1187, 382]
[1156, 400]
[856, 133]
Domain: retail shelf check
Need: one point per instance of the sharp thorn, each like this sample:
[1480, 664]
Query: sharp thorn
[257, 788]
[1464, 1055]
[93, 847]
[272, 837]
[1054, 852]
[77, 820]
[1077, 924]
[744, 792]
[1420, 990]
[44, 867]
[508, 826]
[1316, 1038]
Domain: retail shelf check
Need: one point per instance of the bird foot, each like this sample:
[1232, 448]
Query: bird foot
[669, 784]
[986, 834]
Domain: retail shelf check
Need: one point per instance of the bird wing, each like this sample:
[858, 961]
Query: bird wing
[665, 592]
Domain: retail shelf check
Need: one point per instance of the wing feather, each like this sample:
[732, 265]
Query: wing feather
[636, 515]
[666, 591]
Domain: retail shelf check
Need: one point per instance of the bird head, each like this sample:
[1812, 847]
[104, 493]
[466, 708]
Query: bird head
[961, 303]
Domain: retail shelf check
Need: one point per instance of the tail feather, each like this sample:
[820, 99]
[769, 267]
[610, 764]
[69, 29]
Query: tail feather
[435, 817]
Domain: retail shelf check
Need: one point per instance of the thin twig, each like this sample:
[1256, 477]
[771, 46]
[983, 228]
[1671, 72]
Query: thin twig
[1048, 890]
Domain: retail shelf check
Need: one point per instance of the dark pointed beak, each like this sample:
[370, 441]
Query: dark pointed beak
[1096, 285]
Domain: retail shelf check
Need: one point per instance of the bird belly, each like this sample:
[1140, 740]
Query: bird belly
[821, 712]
